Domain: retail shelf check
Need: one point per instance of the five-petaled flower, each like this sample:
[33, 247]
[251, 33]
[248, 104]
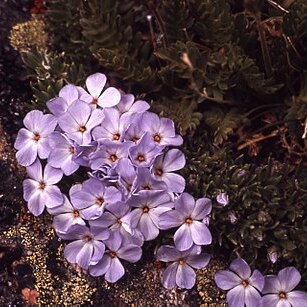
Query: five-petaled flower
[278, 290]
[243, 286]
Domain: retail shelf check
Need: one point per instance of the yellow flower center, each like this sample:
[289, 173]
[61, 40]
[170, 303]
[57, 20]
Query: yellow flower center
[245, 283]
[112, 254]
[116, 137]
[145, 209]
[72, 150]
[157, 138]
[141, 158]
[42, 185]
[94, 101]
[282, 295]
[159, 172]
[113, 158]
[76, 214]
[181, 261]
[188, 220]
[87, 238]
[82, 129]
[36, 137]
[99, 201]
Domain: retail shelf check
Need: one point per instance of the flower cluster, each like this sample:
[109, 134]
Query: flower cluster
[131, 190]
[245, 287]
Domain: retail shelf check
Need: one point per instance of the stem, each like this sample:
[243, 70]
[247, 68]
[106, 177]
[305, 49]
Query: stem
[264, 47]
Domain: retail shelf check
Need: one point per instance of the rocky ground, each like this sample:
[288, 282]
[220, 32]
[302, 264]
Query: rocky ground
[32, 268]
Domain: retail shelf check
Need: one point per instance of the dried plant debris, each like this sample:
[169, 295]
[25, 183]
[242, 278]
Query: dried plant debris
[30, 33]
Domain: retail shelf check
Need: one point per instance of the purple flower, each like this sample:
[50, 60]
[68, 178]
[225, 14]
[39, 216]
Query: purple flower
[273, 256]
[134, 133]
[127, 104]
[59, 105]
[79, 120]
[33, 140]
[117, 219]
[162, 129]
[83, 152]
[39, 191]
[222, 199]
[109, 153]
[278, 289]
[164, 167]
[65, 216]
[87, 247]
[181, 272]
[93, 197]
[143, 154]
[149, 206]
[243, 285]
[95, 84]
[112, 127]
[62, 153]
[145, 181]
[187, 214]
[110, 264]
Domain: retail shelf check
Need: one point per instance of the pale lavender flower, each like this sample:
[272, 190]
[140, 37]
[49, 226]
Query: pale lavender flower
[181, 272]
[67, 95]
[110, 264]
[65, 216]
[277, 290]
[145, 181]
[62, 153]
[164, 167]
[127, 104]
[232, 218]
[33, 140]
[222, 199]
[83, 152]
[93, 197]
[161, 129]
[95, 84]
[112, 127]
[144, 153]
[79, 120]
[187, 215]
[149, 206]
[109, 153]
[87, 247]
[133, 133]
[40, 190]
[243, 285]
[116, 218]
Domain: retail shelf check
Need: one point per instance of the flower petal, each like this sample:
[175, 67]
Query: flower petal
[57, 106]
[115, 271]
[257, 280]
[185, 277]
[289, 278]
[130, 253]
[167, 253]
[198, 261]
[175, 183]
[182, 238]
[29, 188]
[169, 276]
[284, 303]
[203, 207]
[52, 175]
[70, 93]
[240, 267]
[200, 233]
[85, 255]
[109, 98]
[271, 284]
[148, 229]
[95, 84]
[72, 249]
[32, 120]
[53, 196]
[174, 160]
[35, 171]
[101, 267]
[269, 300]
[23, 137]
[27, 154]
[185, 204]
[252, 297]
[99, 249]
[226, 280]
[170, 219]
[36, 203]
[235, 297]
[297, 298]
